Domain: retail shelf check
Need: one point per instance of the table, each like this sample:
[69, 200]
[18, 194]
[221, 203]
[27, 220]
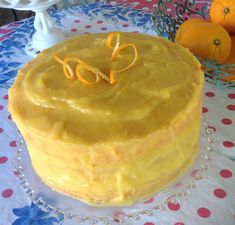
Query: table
[211, 203]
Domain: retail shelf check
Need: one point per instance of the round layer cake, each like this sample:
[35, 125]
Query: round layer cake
[110, 144]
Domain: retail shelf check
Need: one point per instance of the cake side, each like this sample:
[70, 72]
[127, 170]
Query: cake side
[110, 178]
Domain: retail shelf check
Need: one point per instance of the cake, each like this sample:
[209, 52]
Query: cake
[111, 143]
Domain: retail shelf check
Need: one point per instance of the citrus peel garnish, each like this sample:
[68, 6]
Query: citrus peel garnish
[124, 46]
[69, 73]
[89, 68]
[108, 43]
[110, 37]
[117, 49]
[112, 77]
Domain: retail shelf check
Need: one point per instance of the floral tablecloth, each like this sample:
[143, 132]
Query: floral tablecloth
[211, 203]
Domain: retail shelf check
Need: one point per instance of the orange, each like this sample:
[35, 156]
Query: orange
[223, 12]
[231, 60]
[204, 39]
[185, 25]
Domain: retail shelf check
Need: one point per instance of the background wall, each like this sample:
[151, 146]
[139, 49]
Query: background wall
[8, 15]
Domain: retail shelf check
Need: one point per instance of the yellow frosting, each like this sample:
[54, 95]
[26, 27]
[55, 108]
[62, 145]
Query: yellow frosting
[110, 144]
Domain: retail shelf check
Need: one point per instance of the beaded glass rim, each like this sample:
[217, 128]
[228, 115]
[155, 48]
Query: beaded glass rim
[108, 220]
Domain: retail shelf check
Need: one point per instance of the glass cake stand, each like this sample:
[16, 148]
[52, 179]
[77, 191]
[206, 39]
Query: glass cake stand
[78, 212]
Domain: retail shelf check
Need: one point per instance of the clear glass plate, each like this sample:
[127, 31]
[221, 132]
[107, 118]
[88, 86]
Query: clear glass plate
[67, 208]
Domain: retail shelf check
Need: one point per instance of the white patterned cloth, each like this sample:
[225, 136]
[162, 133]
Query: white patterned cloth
[211, 203]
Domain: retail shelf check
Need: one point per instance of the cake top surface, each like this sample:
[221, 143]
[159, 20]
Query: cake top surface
[147, 96]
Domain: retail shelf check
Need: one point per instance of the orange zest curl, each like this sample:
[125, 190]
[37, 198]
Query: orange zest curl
[82, 79]
[110, 37]
[116, 51]
[124, 46]
[112, 77]
[109, 43]
[69, 73]
[98, 75]
[58, 59]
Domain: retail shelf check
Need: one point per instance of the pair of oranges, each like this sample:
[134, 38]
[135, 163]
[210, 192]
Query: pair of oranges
[214, 39]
